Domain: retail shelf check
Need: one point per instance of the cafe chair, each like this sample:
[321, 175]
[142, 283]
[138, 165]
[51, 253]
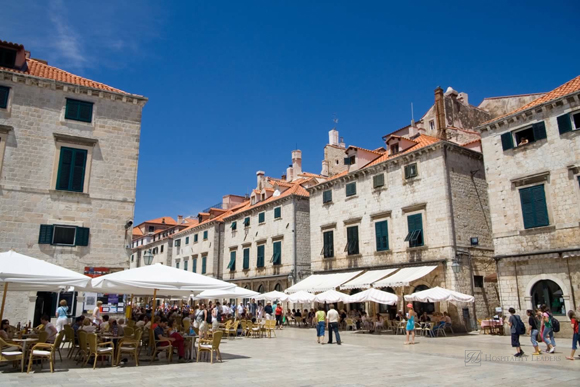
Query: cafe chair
[46, 351]
[211, 346]
[69, 337]
[128, 332]
[11, 352]
[156, 348]
[130, 345]
[42, 336]
[96, 349]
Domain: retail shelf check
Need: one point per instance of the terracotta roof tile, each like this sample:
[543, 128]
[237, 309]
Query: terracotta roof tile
[569, 87]
[218, 218]
[364, 149]
[422, 141]
[168, 220]
[137, 232]
[471, 142]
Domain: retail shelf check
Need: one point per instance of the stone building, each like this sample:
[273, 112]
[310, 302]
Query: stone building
[532, 161]
[266, 244]
[69, 148]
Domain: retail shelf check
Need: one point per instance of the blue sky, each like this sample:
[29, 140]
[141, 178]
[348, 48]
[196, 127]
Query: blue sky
[235, 86]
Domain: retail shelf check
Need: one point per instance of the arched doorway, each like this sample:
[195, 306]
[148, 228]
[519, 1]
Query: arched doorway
[356, 305]
[421, 307]
[278, 287]
[549, 293]
[260, 289]
[390, 309]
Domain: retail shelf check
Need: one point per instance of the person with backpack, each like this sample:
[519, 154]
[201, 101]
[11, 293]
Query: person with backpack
[517, 328]
[216, 315]
[575, 333]
[548, 334]
[534, 325]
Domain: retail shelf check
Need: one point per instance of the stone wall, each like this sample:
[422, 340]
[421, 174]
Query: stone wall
[208, 247]
[335, 156]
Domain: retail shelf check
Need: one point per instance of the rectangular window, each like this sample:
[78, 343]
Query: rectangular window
[352, 240]
[432, 125]
[277, 255]
[379, 180]
[195, 238]
[351, 189]
[186, 240]
[63, 235]
[151, 228]
[194, 265]
[261, 217]
[185, 265]
[78, 110]
[246, 259]
[261, 254]
[382, 235]
[566, 123]
[232, 264]
[411, 171]
[177, 265]
[534, 209]
[4, 91]
[277, 212]
[205, 235]
[203, 264]
[7, 57]
[478, 281]
[161, 248]
[234, 226]
[328, 239]
[524, 136]
[177, 243]
[247, 221]
[415, 230]
[71, 169]
[327, 196]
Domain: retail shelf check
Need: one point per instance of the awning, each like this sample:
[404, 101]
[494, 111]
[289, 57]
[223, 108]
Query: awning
[364, 281]
[405, 276]
[232, 264]
[438, 294]
[323, 282]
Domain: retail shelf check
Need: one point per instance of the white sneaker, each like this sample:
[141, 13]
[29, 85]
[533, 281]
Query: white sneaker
[553, 350]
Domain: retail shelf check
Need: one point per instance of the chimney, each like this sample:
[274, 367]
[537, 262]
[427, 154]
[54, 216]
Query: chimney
[179, 219]
[440, 114]
[260, 179]
[463, 98]
[283, 177]
[297, 163]
[342, 145]
[324, 171]
[289, 174]
[333, 137]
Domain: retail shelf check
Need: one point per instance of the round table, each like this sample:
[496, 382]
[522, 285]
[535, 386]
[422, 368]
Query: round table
[24, 343]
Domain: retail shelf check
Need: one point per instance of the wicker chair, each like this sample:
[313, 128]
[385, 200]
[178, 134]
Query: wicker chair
[211, 346]
[83, 347]
[69, 337]
[97, 349]
[11, 352]
[128, 332]
[131, 346]
[156, 348]
[46, 351]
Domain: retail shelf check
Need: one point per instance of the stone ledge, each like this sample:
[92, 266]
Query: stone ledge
[382, 253]
[413, 249]
[538, 230]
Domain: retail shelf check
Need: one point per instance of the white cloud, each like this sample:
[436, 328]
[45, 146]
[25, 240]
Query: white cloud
[67, 42]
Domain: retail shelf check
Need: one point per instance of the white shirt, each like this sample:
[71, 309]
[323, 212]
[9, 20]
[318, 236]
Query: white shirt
[240, 309]
[332, 316]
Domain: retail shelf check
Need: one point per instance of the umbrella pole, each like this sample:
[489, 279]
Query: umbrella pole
[3, 299]
[154, 302]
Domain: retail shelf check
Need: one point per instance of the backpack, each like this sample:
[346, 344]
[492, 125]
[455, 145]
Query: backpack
[555, 324]
[520, 327]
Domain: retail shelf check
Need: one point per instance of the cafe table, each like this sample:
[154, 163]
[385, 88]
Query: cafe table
[24, 342]
[192, 349]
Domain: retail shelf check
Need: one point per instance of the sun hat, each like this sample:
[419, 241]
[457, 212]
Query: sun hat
[409, 305]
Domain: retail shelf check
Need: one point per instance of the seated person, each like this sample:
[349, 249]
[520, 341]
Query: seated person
[115, 328]
[78, 324]
[186, 315]
[447, 318]
[400, 316]
[175, 338]
[378, 323]
[299, 314]
[425, 318]
[4, 335]
[48, 328]
[122, 323]
[87, 327]
[105, 324]
[523, 141]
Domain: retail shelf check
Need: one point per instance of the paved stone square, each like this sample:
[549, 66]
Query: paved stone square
[294, 358]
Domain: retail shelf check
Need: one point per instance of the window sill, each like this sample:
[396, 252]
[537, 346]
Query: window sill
[354, 255]
[411, 180]
[350, 197]
[418, 248]
[275, 219]
[327, 204]
[528, 146]
[383, 252]
[261, 224]
[537, 230]
[63, 192]
[328, 258]
[379, 189]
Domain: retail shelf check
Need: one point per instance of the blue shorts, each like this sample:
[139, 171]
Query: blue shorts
[320, 329]
[534, 337]
[575, 341]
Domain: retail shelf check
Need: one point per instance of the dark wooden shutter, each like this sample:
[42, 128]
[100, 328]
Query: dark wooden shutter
[45, 234]
[277, 253]
[78, 170]
[328, 244]
[64, 168]
[540, 208]
[526, 198]
[351, 189]
[246, 259]
[194, 265]
[507, 141]
[415, 223]
[71, 109]
[539, 131]
[277, 212]
[82, 237]
[261, 217]
[352, 238]
[203, 265]
[347, 161]
[564, 123]
[86, 111]
[382, 235]
[378, 180]
[326, 196]
[260, 262]
[232, 264]
[4, 91]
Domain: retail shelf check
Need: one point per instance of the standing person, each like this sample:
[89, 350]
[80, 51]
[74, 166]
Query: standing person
[260, 311]
[216, 317]
[575, 333]
[410, 324]
[534, 330]
[514, 323]
[200, 318]
[548, 334]
[61, 316]
[205, 324]
[97, 320]
[268, 311]
[320, 318]
[332, 324]
[253, 307]
[279, 314]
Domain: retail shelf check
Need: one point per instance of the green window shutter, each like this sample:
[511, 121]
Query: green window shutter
[277, 212]
[4, 91]
[564, 123]
[382, 235]
[203, 265]
[378, 180]
[351, 189]
[78, 172]
[507, 141]
[186, 240]
[415, 228]
[185, 265]
[246, 259]
[347, 161]
[261, 217]
[71, 169]
[534, 208]
[407, 172]
[78, 110]
[539, 130]
[327, 196]
[352, 239]
[64, 168]
[526, 198]
[234, 225]
[195, 238]
[260, 256]
[328, 238]
[177, 265]
[194, 265]
[205, 235]
[277, 257]
[82, 236]
[45, 235]
[232, 264]
[247, 221]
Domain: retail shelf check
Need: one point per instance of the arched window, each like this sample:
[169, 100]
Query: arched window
[549, 293]
[356, 305]
[421, 307]
[390, 309]
[278, 288]
[260, 289]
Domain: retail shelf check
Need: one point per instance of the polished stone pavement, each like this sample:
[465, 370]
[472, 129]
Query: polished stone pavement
[294, 358]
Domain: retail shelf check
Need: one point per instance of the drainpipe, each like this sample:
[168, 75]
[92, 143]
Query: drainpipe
[450, 201]
[219, 249]
[295, 270]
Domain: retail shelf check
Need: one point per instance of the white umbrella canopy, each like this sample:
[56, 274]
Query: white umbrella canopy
[374, 295]
[237, 292]
[271, 296]
[438, 294]
[301, 297]
[331, 296]
[164, 280]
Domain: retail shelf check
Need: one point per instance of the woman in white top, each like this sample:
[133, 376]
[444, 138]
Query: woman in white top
[61, 316]
[97, 319]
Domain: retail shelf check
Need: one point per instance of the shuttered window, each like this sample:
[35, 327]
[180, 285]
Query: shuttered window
[507, 141]
[382, 235]
[177, 243]
[194, 265]
[277, 212]
[186, 240]
[185, 265]
[328, 239]
[4, 91]
[327, 196]
[534, 209]
[232, 264]
[203, 265]
[195, 238]
[71, 169]
[261, 217]
[246, 259]
[261, 254]
[351, 189]
[247, 221]
[568, 122]
[234, 226]
[415, 230]
[411, 171]
[78, 110]
[352, 240]
[177, 265]
[205, 235]
[63, 235]
[277, 255]
[378, 180]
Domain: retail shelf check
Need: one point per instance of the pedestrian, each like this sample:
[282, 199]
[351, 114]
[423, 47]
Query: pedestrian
[575, 334]
[332, 324]
[268, 311]
[548, 334]
[253, 307]
[279, 314]
[200, 319]
[514, 323]
[411, 315]
[97, 320]
[61, 315]
[320, 318]
[216, 315]
[534, 325]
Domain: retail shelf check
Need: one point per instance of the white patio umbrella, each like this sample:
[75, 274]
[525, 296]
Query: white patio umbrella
[237, 292]
[272, 296]
[375, 295]
[331, 296]
[438, 294]
[24, 273]
[301, 297]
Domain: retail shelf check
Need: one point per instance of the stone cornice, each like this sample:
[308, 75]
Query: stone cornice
[260, 208]
[44, 83]
[75, 139]
[5, 129]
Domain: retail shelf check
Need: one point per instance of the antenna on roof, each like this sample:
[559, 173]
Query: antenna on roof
[334, 119]
[412, 116]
